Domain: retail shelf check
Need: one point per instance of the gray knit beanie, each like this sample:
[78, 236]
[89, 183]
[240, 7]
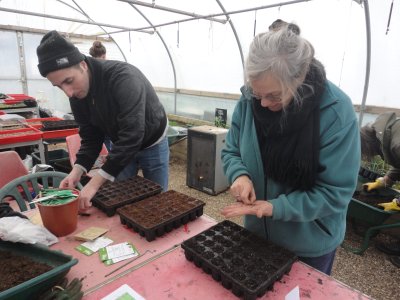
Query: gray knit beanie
[55, 52]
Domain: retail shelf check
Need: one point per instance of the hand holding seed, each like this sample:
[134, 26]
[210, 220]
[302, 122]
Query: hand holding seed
[242, 190]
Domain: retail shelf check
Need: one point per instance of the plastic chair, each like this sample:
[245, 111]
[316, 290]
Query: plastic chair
[19, 189]
[11, 167]
[73, 145]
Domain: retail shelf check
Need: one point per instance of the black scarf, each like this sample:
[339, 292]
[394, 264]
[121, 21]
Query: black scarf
[289, 141]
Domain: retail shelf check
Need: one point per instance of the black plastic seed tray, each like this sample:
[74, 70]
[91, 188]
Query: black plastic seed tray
[113, 195]
[59, 125]
[240, 260]
[161, 213]
[368, 174]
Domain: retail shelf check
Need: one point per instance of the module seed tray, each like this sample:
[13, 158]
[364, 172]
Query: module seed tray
[113, 195]
[240, 260]
[59, 125]
[52, 132]
[368, 174]
[159, 214]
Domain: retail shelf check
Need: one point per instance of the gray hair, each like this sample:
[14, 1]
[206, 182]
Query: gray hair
[282, 53]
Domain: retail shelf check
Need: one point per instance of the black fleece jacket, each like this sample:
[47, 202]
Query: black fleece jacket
[121, 104]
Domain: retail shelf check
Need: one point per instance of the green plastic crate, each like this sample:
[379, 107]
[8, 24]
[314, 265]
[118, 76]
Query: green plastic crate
[34, 287]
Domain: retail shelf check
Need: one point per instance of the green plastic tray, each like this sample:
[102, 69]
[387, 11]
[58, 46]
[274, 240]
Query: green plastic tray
[32, 288]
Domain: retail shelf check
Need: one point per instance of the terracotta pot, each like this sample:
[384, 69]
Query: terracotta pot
[60, 219]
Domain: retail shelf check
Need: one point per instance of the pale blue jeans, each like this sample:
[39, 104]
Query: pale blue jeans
[154, 163]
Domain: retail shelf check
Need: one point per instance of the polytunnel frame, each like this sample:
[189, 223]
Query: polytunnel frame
[227, 14]
[195, 17]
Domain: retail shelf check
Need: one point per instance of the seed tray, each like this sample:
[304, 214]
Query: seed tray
[159, 214]
[59, 125]
[368, 174]
[113, 195]
[31, 289]
[243, 262]
[19, 135]
[11, 124]
[51, 132]
[37, 122]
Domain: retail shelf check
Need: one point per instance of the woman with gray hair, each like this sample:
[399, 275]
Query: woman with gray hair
[293, 151]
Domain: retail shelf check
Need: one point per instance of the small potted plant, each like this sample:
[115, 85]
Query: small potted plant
[59, 210]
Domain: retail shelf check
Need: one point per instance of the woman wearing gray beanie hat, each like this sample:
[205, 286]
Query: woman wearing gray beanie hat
[108, 98]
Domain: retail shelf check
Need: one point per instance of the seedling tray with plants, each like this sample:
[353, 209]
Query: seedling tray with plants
[55, 127]
[59, 125]
[243, 262]
[113, 195]
[161, 213]
[53, 130]
[368, 174]
[54, 264]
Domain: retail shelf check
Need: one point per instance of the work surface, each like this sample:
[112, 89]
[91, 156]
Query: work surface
[163, 271]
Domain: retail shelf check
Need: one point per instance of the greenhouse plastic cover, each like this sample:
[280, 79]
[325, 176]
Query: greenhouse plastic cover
[183, 51]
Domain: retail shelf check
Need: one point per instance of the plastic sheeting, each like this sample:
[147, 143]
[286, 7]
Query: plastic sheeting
[204, 53]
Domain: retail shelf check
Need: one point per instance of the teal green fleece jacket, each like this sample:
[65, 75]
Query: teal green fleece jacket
[309, 223]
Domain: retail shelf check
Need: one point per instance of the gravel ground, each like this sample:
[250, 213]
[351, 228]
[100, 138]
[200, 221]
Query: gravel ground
[372, 273]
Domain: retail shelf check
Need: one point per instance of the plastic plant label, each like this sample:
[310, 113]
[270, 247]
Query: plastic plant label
[293, 294]
[115, 251]
[88, 248]
[112, 261]
[124, 292]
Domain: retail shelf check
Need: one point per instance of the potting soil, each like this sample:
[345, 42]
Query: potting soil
[15, 269]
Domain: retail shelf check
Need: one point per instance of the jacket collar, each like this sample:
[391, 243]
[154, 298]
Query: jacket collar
[95, 74]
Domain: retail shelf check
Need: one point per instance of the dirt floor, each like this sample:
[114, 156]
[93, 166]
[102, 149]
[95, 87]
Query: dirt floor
[372, 273]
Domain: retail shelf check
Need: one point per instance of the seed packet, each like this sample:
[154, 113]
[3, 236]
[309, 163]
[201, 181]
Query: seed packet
[90, 234]
[118, 252]
[124, 292]
[90, 247]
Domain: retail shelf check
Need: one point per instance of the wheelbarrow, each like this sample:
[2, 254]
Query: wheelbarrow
[176, 134]
[371, 217]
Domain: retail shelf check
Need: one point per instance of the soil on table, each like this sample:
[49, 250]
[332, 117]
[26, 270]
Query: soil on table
[373, 199]
[15, 269]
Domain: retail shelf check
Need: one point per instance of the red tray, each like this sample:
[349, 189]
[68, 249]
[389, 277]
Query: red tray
[17, 98]
[37, 122]
[19, 135]
[53, 133]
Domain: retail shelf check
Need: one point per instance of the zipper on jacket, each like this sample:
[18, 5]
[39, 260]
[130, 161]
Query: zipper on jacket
[265, 218]
[266, 228]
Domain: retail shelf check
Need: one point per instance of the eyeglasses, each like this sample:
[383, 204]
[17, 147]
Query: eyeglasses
[269, 97]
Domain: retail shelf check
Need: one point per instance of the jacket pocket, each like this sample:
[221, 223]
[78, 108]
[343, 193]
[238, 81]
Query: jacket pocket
[322, 227]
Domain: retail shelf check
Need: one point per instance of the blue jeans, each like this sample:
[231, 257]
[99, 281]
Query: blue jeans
[153, 161]
[322, 263]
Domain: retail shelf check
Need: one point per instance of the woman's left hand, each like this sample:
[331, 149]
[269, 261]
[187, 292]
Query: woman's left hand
[259, 208]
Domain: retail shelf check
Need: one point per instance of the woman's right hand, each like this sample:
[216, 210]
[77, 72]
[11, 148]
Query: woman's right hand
[243, 191]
